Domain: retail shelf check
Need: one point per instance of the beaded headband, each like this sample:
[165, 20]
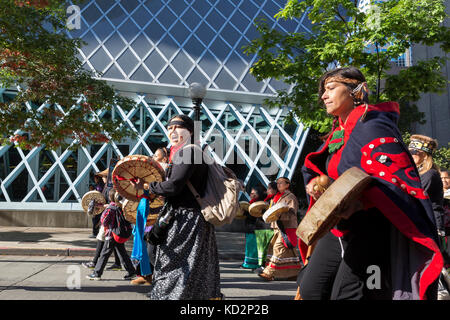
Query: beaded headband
[342, 80]
[180, 123]
[422, 146]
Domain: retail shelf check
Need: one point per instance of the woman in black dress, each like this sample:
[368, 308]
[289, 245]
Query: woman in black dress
[187, 260]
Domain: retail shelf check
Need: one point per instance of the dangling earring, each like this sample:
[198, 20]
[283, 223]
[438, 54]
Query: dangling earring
[365, 112]
[360, 95]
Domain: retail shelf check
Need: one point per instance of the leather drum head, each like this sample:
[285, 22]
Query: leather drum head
[99, 201]
[243, 207]
[273, 213]
[130, 210]
[256, 209]
[131, 168]
[323, 215]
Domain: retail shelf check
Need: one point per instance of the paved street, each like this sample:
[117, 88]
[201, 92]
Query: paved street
[45, 264]
[63, 278]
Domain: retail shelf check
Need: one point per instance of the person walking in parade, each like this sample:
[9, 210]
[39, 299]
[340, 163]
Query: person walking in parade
[251, 246]
[108, 219]
[193, 272]
[392, 225]
[283, 261]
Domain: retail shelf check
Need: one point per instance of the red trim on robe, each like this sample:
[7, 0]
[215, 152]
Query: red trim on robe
[402, 222]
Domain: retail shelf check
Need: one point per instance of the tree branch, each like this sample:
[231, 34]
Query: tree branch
[378, 71]
[343, 19]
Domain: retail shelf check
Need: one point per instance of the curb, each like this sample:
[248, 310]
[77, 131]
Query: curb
[85, 252]
[46, 252]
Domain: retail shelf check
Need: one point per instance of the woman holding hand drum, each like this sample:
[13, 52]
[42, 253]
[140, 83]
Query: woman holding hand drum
[283, 261]
[187, 260]
[385, 247]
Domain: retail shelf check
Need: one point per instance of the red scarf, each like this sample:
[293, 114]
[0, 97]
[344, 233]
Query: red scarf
[270, 196]
[174, 150]
[253, 200]
[277, 197]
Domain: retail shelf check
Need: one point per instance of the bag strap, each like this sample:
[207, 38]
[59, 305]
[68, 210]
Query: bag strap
[284, 235]
[189, 184]
[194, 192]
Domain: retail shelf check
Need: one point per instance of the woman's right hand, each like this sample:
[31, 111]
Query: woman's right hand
[139, 184]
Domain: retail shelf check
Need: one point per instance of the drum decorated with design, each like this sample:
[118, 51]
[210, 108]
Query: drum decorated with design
[132, 168]
[130, 210]
[99, 202]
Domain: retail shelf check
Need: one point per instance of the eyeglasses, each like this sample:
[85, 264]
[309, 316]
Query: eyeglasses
[414, 152]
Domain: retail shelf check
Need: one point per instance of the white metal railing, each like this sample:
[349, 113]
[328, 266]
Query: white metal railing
[87, 160]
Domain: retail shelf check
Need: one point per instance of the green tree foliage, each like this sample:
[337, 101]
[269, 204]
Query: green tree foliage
[38, 57]
[343, 35]
[442, 157]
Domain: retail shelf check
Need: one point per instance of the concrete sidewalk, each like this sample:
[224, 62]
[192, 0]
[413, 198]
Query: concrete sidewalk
[76, 242]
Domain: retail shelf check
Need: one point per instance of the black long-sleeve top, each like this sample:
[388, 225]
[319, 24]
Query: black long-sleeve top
[175, 188]
[432, 184]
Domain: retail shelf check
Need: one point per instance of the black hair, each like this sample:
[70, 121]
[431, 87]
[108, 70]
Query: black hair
[164, 151]
[260, 191]
[349, 73]
[187, 121]
[272, 185]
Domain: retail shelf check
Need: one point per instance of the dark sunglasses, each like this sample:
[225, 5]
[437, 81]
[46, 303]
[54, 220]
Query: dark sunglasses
[414, 152]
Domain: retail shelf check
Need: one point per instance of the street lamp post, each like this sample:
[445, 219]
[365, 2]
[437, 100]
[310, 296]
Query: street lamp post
[197, 92]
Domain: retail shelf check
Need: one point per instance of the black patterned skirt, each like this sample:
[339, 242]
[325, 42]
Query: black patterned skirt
[187, 264]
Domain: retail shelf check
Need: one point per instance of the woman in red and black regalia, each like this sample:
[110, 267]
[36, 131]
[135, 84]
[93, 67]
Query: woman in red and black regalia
[387, 249]
[283, 261]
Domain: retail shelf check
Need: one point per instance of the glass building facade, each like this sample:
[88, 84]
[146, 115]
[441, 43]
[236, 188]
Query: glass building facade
[151, 51]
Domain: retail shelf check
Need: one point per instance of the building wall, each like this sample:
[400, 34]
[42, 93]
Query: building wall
[435, 106]
[178, 42]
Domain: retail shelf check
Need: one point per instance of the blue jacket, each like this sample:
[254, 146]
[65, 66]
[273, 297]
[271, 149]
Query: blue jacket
[139, 252]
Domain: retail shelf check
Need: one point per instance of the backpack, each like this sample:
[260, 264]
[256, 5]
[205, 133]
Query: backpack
[122, 229]
[220, 203]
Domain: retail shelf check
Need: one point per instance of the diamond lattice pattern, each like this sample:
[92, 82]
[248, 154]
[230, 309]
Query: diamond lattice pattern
[179, 42]
[249, 139]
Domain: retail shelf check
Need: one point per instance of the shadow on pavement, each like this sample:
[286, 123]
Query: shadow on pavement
[15, 236]
[87, 289]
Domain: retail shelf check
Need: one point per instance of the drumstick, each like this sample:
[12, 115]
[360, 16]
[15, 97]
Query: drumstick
[309, 252]
[308, 255]
[322, 183]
